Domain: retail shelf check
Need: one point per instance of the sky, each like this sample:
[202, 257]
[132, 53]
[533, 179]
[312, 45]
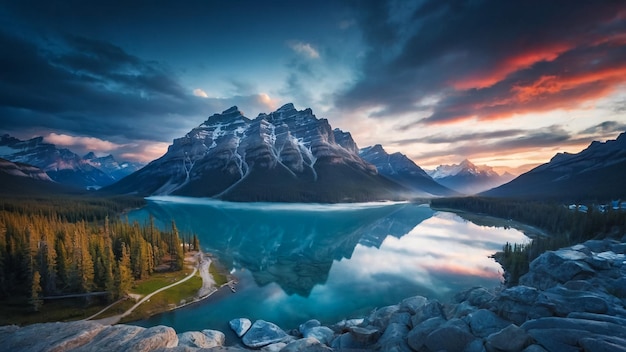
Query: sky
[503, 83]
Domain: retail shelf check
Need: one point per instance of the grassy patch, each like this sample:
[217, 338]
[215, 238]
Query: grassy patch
[218, 273]
[167, 300]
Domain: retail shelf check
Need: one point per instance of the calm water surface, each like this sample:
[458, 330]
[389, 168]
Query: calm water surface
[296, 262]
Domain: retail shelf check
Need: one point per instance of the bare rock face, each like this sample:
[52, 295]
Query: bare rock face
[86, 336]
[286, 155]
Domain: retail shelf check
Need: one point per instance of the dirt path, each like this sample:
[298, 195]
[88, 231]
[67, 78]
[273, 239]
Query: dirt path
[208, 284]
[116, 318]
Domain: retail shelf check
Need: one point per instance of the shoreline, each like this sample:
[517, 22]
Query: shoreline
[529, 231]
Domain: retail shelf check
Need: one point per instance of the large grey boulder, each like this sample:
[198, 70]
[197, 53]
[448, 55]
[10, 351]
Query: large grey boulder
[484, 322]
[606, 344]
[365, 335]
[412, 304]
[417, 336]
[554, 267]
[321, 333]
[240, 326]
[591, 326]
[194, 339]
[520, 303]
[394, 338]
[476, 296]
[111, 338]
[380, 317]
[51, 336]
[432, 309]
[307, 344]
[566, 301]
[151, 339]
[263, 333]
[510, 339]
[313, 323]
[215, 338]
[448, 338]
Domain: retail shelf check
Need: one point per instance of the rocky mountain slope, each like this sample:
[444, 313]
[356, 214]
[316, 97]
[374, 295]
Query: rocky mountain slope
[287, 155]
[399, 168]
[23, 179]
[468, 178]
[597, 172]
[62, 165]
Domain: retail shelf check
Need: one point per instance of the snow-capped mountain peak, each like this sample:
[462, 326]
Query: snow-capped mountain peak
[468, 178]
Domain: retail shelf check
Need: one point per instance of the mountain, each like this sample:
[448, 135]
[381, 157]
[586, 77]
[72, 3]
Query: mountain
[22, 179]
[468, 178]
[595, 173]
[402, 170]
[63, 165]
[110, 166]
[287, 155]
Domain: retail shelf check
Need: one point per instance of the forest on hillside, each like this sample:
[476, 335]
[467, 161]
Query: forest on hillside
[49, 251]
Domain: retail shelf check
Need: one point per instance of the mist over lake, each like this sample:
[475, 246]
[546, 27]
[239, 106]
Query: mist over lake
[296, 262]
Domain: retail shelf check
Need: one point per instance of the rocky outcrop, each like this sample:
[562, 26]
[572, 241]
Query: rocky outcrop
[572, 299]
[286, 156]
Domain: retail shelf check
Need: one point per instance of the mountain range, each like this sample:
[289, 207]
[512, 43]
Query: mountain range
[402, 170]
[467, 178]
[64, 166]
[293, 156]
[596, 172]
[17, 179]
[287, 155]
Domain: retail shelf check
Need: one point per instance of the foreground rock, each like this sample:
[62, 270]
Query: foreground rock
[572, 299]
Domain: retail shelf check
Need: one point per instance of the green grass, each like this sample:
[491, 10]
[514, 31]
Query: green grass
[167, 300]
[218, 273]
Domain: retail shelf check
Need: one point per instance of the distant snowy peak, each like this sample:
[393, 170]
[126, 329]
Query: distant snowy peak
[469, 178]
[464, 167]
[64, 166]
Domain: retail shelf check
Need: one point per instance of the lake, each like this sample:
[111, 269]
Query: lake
[295, 262]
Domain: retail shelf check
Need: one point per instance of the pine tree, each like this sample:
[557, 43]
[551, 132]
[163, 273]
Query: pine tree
[124, 277]
[196, 243]
[35, 289]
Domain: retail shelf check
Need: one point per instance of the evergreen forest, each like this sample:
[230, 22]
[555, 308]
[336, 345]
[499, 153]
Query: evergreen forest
[48, 248]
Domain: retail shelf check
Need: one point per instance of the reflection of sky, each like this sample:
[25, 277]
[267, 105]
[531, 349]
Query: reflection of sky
[442, 255]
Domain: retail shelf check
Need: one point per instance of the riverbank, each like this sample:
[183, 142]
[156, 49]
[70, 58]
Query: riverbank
[572, 299]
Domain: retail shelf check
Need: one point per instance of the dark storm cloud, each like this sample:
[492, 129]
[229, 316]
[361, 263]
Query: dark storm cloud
[488, 59]
[513, 140]
[454, 138]
[606, 127]
[95, 88]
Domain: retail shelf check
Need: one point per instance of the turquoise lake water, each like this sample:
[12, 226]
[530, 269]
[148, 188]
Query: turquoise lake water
[295, 262]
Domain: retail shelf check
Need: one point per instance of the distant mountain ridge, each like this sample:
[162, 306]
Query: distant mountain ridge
[468, 178]
[597, 172]
[287, 155]
[399, 168]
[64, 166]
[17, 179]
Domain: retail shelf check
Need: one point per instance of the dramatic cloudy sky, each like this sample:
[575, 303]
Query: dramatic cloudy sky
[507, 83]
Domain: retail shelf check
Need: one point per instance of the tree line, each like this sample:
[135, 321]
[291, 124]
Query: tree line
[42, 253]
[566, 227]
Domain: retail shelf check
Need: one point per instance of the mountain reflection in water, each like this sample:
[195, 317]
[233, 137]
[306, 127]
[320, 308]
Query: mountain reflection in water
[295, 248]
[295, 262]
